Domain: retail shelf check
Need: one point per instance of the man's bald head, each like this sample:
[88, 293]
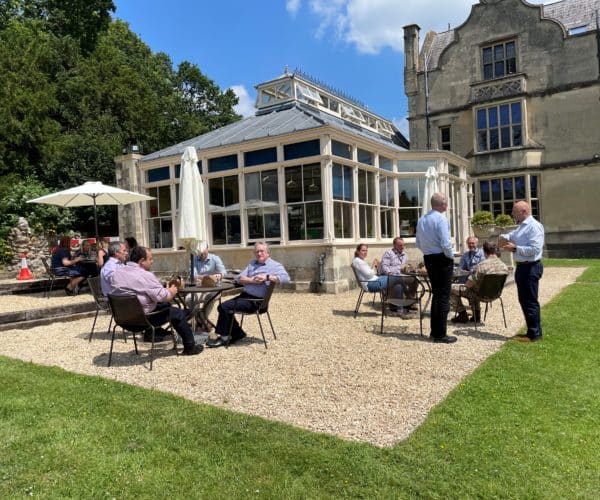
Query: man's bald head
[521, 210]
[439, 202]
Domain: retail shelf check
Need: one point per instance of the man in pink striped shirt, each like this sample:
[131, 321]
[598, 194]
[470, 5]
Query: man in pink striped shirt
[135, 278]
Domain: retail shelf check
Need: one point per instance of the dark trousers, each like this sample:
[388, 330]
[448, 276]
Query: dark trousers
[439, 270]
[179, 321]
[527, 278]
[241, 303]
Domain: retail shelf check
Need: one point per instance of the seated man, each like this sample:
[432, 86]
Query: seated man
[395, 259]
[259, 273]
[88, 259]
[207, 264]
[117, 256]
[491, 265]
[135, 278]
[472, 257]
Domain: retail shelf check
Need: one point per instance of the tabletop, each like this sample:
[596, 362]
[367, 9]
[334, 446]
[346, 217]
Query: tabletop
[221, 287]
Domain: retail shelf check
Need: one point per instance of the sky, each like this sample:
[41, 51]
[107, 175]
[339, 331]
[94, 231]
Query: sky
[354, 46]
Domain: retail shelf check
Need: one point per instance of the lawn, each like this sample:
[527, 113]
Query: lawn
[523, 425]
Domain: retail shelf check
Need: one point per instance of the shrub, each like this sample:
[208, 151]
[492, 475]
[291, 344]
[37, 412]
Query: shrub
[504, 220]
[482, 218]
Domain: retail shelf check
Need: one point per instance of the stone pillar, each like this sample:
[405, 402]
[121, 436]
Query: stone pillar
[411, 58]
[130, 217]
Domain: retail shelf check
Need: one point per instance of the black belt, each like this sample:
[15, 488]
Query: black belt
[530, 262]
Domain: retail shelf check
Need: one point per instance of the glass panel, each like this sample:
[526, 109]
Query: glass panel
[494, 141]
[484, 189]
[515, 109]
[386, 223]
[157, 174]
[269, 185]
[481, 119]
[535, 209]
[348, 184]
[408, 221]
[482, 140]
[222, 163]
[301, 149]
[504, 115]
[508, 207]
[164, 200]
[507, 188]
[178, 171]
[499, 68]
[312, 182]
[314, 221]
[493, 117]
[338, 220]
[498, 52]
[371, 188]
[517, 136]
[415, 165]
[348, 223]
[520, 188]
[488, 73]
[505, 137]
[252, 182]
[487, 55]
[234, 234]
[362, 186]
[533, 183]
[260, 157]
[511, 66]
[295, 222]
[409, 193]
[255, 224]
[341, 149]
[272, 223]
[215, 192]
[386, 163]
[293, 184]
[496, 190]
[364, 156]
[510, 50]
[231, 190]
[497, 209]
[218, 229]
[338, 181]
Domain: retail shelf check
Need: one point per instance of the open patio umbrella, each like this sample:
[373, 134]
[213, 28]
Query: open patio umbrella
[191, 231]
[431, 187]
[91, 193]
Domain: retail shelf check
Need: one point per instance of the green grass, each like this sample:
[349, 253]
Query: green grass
[523, 425]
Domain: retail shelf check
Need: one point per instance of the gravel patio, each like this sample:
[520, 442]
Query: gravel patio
[326, 372]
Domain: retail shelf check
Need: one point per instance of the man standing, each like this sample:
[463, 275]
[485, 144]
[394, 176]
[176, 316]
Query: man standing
[527, 244]
[135, 278]
[117, 255]
[472, 257]
[257, 276]
[490, 265]
[433, 239]
[395, 258]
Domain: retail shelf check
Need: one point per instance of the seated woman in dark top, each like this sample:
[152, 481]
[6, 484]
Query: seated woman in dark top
[64, 265]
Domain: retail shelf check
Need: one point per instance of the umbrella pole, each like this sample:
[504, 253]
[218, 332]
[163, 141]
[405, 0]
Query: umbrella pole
[192, 280]
[96, 220]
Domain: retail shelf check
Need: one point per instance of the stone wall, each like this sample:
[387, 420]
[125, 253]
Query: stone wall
[22, 240]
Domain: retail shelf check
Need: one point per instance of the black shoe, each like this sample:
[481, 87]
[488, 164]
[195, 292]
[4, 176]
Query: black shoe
[158, 337]
[448, 339]
[193, 350]
[239, 336]
[218, 342]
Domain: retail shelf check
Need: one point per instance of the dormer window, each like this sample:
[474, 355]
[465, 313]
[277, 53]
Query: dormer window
[499, 60]
[352, 114]
[305, 93]
[275, 93]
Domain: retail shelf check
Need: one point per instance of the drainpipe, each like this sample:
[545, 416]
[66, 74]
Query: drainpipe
[322, 268]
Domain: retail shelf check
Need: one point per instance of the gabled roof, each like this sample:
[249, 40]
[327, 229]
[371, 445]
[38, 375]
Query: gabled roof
[293, 117]
[570, 13]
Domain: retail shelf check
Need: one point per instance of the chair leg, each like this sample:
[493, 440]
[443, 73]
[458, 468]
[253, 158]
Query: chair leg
[382, 316]
[271, 323]
[420, 320]
[358, 302]
[93, 325]
[112, 341]
[152, 347]
[262, 332]
[503, 316]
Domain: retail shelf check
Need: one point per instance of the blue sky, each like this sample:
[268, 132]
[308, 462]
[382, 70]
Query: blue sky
[354, 46]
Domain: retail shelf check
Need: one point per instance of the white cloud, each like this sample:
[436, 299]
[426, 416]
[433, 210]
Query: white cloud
[292, 6]
[245, 107]
[371, 25]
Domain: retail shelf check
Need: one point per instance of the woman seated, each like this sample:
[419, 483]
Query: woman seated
[101, 255]
[64, 265]
[368, 274]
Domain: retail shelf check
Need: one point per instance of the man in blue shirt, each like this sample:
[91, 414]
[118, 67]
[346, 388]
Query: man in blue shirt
[433, 239]
[207, 264]
[470, 259]
[259, 273]
[527, 244]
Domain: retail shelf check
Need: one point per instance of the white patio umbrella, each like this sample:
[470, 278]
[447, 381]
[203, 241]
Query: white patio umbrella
[91, 193]
[191, 231]
[431, 187]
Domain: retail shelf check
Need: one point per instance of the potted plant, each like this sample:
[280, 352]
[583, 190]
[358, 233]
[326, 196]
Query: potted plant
[483, 224]
[505, 221]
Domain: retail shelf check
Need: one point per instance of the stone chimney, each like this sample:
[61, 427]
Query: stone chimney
[411, 58]
[130, 218]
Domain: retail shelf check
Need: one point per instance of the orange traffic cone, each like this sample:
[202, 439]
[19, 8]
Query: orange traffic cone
[25, 273]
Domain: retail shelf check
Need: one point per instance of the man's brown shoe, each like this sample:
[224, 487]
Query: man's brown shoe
[461, 317]
[525, 339]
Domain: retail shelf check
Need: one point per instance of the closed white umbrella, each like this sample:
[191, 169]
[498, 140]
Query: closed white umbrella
[191, 231]
[91, 193]
[431, 187]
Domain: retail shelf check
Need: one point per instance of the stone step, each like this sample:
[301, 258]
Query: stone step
[36, 317]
